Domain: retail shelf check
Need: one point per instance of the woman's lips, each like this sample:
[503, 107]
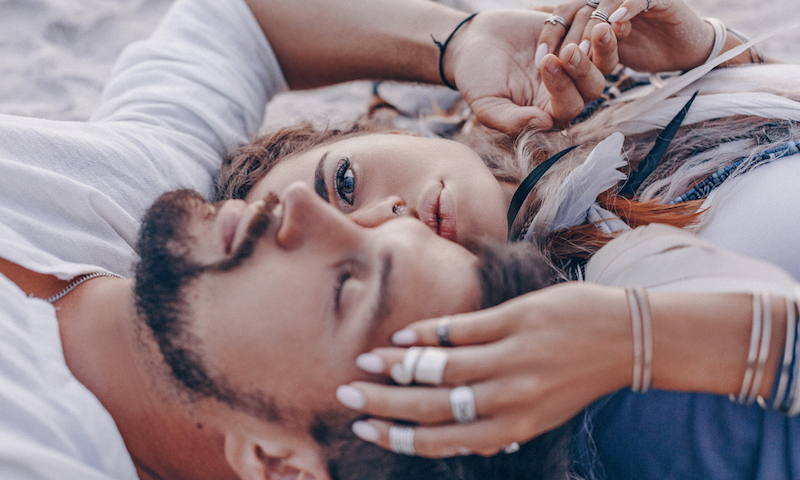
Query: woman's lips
[437, 209]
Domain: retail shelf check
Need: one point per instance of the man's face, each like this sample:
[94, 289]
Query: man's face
[317, 291]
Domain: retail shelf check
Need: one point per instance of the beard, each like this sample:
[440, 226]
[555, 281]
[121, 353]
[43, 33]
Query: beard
[163, 274]
[505, 271]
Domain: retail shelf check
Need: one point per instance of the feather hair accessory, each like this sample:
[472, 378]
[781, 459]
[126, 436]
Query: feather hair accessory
[578, 193]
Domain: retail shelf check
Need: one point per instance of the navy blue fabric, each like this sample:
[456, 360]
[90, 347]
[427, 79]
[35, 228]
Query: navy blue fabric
[669, 435]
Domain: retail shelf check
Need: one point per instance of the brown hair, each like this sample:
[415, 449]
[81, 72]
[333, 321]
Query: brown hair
[252, 162]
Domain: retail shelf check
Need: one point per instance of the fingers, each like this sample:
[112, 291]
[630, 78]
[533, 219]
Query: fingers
[480, 438]
[473, 328]
[572, 81]
[505, 115]
[553, 32]
[459, 365]
[604, 48]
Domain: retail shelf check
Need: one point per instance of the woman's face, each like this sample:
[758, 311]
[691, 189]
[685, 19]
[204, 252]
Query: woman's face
[376, 177]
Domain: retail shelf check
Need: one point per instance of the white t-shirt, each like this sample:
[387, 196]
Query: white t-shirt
[72, 194]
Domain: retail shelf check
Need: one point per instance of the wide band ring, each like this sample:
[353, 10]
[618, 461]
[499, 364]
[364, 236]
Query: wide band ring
[443, 332]
[592, 4]
[401, 440]
[556, 20]
[430, 366]
[462, 403]
[403, 373]
[597, 14]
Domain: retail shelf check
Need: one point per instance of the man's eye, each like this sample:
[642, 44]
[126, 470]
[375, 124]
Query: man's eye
[345, 181]
[337, 294]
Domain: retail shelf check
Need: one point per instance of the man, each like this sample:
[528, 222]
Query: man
[79, 395]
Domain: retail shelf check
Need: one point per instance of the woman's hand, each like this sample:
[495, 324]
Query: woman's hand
[491, 60]
[653, 35]
[532, 363]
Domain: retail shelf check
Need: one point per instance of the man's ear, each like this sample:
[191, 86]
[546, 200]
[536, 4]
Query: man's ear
[254, 457]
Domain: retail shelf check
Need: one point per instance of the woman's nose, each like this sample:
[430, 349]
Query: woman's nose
[306, 218]
[380, 212]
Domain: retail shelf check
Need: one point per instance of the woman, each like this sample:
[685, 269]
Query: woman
[345, 171]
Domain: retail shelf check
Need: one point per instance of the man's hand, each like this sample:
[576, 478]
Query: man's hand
[491, 61]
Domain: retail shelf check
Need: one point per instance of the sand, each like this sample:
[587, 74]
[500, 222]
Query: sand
[56, 55]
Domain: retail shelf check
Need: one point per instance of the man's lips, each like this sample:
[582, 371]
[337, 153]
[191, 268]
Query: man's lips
[437, 209]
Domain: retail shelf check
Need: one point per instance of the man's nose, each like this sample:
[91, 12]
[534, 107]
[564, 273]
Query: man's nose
[377, 213]
[307, 217]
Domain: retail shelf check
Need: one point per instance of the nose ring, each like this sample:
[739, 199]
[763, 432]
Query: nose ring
[398, 210]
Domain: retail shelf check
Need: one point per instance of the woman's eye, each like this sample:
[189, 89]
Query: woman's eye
[345, 181]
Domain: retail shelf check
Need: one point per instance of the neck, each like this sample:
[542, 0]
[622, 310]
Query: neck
[106, 351]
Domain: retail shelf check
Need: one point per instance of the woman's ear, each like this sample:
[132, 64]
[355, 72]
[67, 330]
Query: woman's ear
[254, 457]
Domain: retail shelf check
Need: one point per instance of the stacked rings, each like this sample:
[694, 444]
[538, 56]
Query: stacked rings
[462, 403]
[421, 365]
[401, 440]
[430, 366]
[556, 20]
[592, 4]
[597, 14]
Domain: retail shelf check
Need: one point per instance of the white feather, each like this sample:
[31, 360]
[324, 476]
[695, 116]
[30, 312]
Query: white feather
[580, 189]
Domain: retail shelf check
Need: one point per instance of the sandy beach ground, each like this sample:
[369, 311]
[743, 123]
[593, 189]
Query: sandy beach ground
[56, 55]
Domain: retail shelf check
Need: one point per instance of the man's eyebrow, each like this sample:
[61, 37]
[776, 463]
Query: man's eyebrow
[382, 307]
[319, 178]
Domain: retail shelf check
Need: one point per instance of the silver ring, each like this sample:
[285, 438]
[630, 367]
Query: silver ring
[430, 366]
[443, 332]
[403, 373]
[511, 448]
[556, 20]
[399, 210]
[597, 14]
[592, 4]
[401, 440]
[462, 403]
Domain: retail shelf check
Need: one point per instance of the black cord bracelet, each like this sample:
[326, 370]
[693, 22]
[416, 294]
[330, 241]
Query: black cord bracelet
[443, 47]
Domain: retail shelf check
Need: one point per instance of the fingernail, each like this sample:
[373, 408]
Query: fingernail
[365, 431]
[575, 58]
[606, 36]
[350, 397]
[618, 14]
[369, 362]
[584, 46]
[552, 65]
[541, 51]
[404, 337]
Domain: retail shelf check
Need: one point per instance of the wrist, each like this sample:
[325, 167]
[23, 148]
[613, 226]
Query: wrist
[446, 49]
[702, 342]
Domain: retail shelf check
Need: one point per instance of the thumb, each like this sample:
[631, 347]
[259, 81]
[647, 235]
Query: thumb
[503, 114]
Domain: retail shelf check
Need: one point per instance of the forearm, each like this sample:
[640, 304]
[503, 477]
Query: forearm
[323, 42]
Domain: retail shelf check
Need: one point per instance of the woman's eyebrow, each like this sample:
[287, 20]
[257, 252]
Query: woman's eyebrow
[320, 186]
